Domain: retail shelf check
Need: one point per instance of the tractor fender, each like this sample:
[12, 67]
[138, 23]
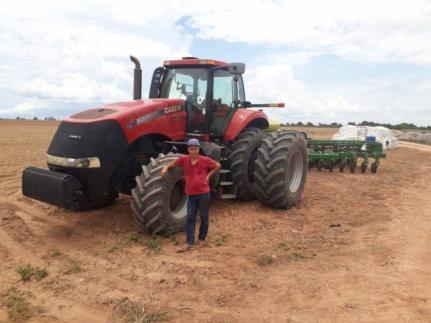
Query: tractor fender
[147, 143]
[138, 152]
[243, 118]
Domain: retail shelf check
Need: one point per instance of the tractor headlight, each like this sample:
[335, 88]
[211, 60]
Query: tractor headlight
[89, 162]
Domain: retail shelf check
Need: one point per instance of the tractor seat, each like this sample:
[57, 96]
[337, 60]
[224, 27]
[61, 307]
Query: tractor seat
[221, 110]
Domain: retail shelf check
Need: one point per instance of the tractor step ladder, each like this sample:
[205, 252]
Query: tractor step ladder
[227, 189]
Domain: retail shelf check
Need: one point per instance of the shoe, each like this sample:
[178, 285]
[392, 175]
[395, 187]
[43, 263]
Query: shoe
[185, 248]
[202, 243]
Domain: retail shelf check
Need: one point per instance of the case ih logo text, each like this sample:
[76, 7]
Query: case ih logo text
[153, 115]
[173, 108]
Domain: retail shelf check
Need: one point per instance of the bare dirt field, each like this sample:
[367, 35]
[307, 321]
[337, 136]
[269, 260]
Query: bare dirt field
[314, 132]
[356, 249]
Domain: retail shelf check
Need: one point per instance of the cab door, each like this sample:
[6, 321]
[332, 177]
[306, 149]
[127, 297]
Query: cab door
[228, 93]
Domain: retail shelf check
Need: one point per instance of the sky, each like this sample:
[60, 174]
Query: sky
[328, 61]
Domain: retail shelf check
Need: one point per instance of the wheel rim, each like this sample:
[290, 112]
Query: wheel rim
[296, 169]
[178, 199]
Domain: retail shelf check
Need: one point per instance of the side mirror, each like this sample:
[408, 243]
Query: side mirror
[246, 104]
[236, 68]
[156, 82]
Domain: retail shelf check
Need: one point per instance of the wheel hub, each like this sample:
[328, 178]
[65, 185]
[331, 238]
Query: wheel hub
[178, 199]
[296, 170]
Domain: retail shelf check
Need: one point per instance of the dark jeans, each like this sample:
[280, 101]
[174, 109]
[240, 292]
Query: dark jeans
[197, 202]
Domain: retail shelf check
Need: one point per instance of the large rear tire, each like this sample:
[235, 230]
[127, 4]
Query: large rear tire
[281, 169]
[243, 153]
[159, 203]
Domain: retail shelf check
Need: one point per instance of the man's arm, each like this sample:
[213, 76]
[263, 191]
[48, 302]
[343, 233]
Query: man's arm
[169, 166]
[214, 170]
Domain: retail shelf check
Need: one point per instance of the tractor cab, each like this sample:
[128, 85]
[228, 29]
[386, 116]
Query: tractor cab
[212, 91]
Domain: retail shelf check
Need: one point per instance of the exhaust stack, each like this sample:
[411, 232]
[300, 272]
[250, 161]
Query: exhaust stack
[137, 79]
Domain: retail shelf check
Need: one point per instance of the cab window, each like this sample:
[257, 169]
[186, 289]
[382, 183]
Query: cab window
[189, 84]
[225, 88]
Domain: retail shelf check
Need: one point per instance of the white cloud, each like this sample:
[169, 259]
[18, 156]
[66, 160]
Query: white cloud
[32, 104]
[78, 51]
[363, 31]
[425, 86]
[26, 108]
[365, 99]
[6, 67]
[274, 83]
[76, 87]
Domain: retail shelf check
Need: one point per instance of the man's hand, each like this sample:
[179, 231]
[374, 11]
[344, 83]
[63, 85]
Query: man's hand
[167, 167]
[164, 171]
[214, 170]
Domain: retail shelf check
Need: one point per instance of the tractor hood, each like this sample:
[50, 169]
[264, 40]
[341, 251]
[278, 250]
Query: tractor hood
[123, 110]
[139, 117]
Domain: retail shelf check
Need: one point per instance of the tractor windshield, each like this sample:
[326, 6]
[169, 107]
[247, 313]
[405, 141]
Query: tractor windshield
[189, 84]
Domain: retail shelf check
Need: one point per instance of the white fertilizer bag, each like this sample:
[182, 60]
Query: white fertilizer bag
[382, 134]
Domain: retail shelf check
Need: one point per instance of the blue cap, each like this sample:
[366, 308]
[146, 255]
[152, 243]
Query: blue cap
[193, 142]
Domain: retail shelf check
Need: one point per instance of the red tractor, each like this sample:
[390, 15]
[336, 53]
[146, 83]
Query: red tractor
[120, 148]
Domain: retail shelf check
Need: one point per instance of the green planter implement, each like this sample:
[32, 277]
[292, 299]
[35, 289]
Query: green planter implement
[328, 154]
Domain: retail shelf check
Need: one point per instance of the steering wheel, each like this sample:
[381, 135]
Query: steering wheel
[191, 98]
[195, 107]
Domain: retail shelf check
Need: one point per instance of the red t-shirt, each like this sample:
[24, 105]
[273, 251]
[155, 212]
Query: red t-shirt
[196, 174]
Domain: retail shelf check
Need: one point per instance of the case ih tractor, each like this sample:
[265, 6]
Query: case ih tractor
[120, 148]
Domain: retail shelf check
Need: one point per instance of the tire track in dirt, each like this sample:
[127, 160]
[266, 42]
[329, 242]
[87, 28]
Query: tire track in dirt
[413, 145]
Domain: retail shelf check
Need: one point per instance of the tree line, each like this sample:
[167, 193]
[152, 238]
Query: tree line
[36, 118]
[404, 125]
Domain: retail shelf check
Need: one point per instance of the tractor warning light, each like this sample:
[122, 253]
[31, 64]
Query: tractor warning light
[206, 62]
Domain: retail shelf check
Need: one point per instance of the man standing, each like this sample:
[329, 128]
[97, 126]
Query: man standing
[198, 170]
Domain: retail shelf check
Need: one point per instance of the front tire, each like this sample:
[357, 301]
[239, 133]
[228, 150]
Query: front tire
[281, 169]
[159, 203]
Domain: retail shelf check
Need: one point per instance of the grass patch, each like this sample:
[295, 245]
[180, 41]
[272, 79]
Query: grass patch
[284, 245]
[73, 268]
[175, 240]
[221, 240]
[126, 241]
[41, 309]
[264, 260]
[136, 313]
[114, 247]
[196, 280]
[40, 273]
[296, 256]
[117, 246]
[154, 243]
[27, 271]
[55, 253]
[136, 238]
[18, 308]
